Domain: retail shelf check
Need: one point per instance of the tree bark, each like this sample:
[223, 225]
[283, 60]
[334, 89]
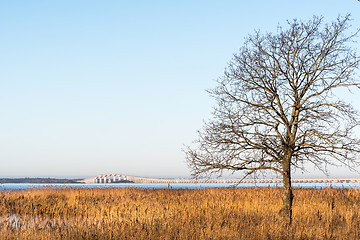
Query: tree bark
[287, 195]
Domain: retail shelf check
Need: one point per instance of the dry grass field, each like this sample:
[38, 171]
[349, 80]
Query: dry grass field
[225, 213]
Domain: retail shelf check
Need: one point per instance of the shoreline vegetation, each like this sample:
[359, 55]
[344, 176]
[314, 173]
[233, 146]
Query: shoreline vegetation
[213, 213]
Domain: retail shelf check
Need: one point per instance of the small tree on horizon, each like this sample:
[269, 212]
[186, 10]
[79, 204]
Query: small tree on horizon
[276, 107]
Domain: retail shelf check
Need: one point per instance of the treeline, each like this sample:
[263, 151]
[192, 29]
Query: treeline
[38, 180]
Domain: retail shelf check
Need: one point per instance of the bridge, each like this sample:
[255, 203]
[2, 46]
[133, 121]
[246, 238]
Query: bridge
[121, 178]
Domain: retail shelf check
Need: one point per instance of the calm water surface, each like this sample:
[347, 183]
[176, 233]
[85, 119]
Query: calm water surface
[14, 186]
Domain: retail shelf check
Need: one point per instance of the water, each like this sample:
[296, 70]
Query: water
[20, 186]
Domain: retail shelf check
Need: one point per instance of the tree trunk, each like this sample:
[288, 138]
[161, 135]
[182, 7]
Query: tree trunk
[287, 197]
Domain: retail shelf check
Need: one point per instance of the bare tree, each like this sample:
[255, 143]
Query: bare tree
[276, 105]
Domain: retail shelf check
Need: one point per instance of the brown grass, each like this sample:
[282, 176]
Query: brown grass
[225, 213]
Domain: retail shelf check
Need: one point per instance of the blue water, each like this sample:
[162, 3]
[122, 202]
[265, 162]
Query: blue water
[14, 186]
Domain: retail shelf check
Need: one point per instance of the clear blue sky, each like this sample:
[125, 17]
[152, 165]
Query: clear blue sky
[90, 87]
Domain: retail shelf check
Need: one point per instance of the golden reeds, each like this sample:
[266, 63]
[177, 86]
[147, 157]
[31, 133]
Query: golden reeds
[224, 213]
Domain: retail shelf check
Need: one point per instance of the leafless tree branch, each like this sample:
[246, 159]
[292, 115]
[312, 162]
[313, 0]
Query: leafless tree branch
[276, 107]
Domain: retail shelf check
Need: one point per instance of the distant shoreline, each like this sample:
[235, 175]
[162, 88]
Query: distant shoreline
[39, 180]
